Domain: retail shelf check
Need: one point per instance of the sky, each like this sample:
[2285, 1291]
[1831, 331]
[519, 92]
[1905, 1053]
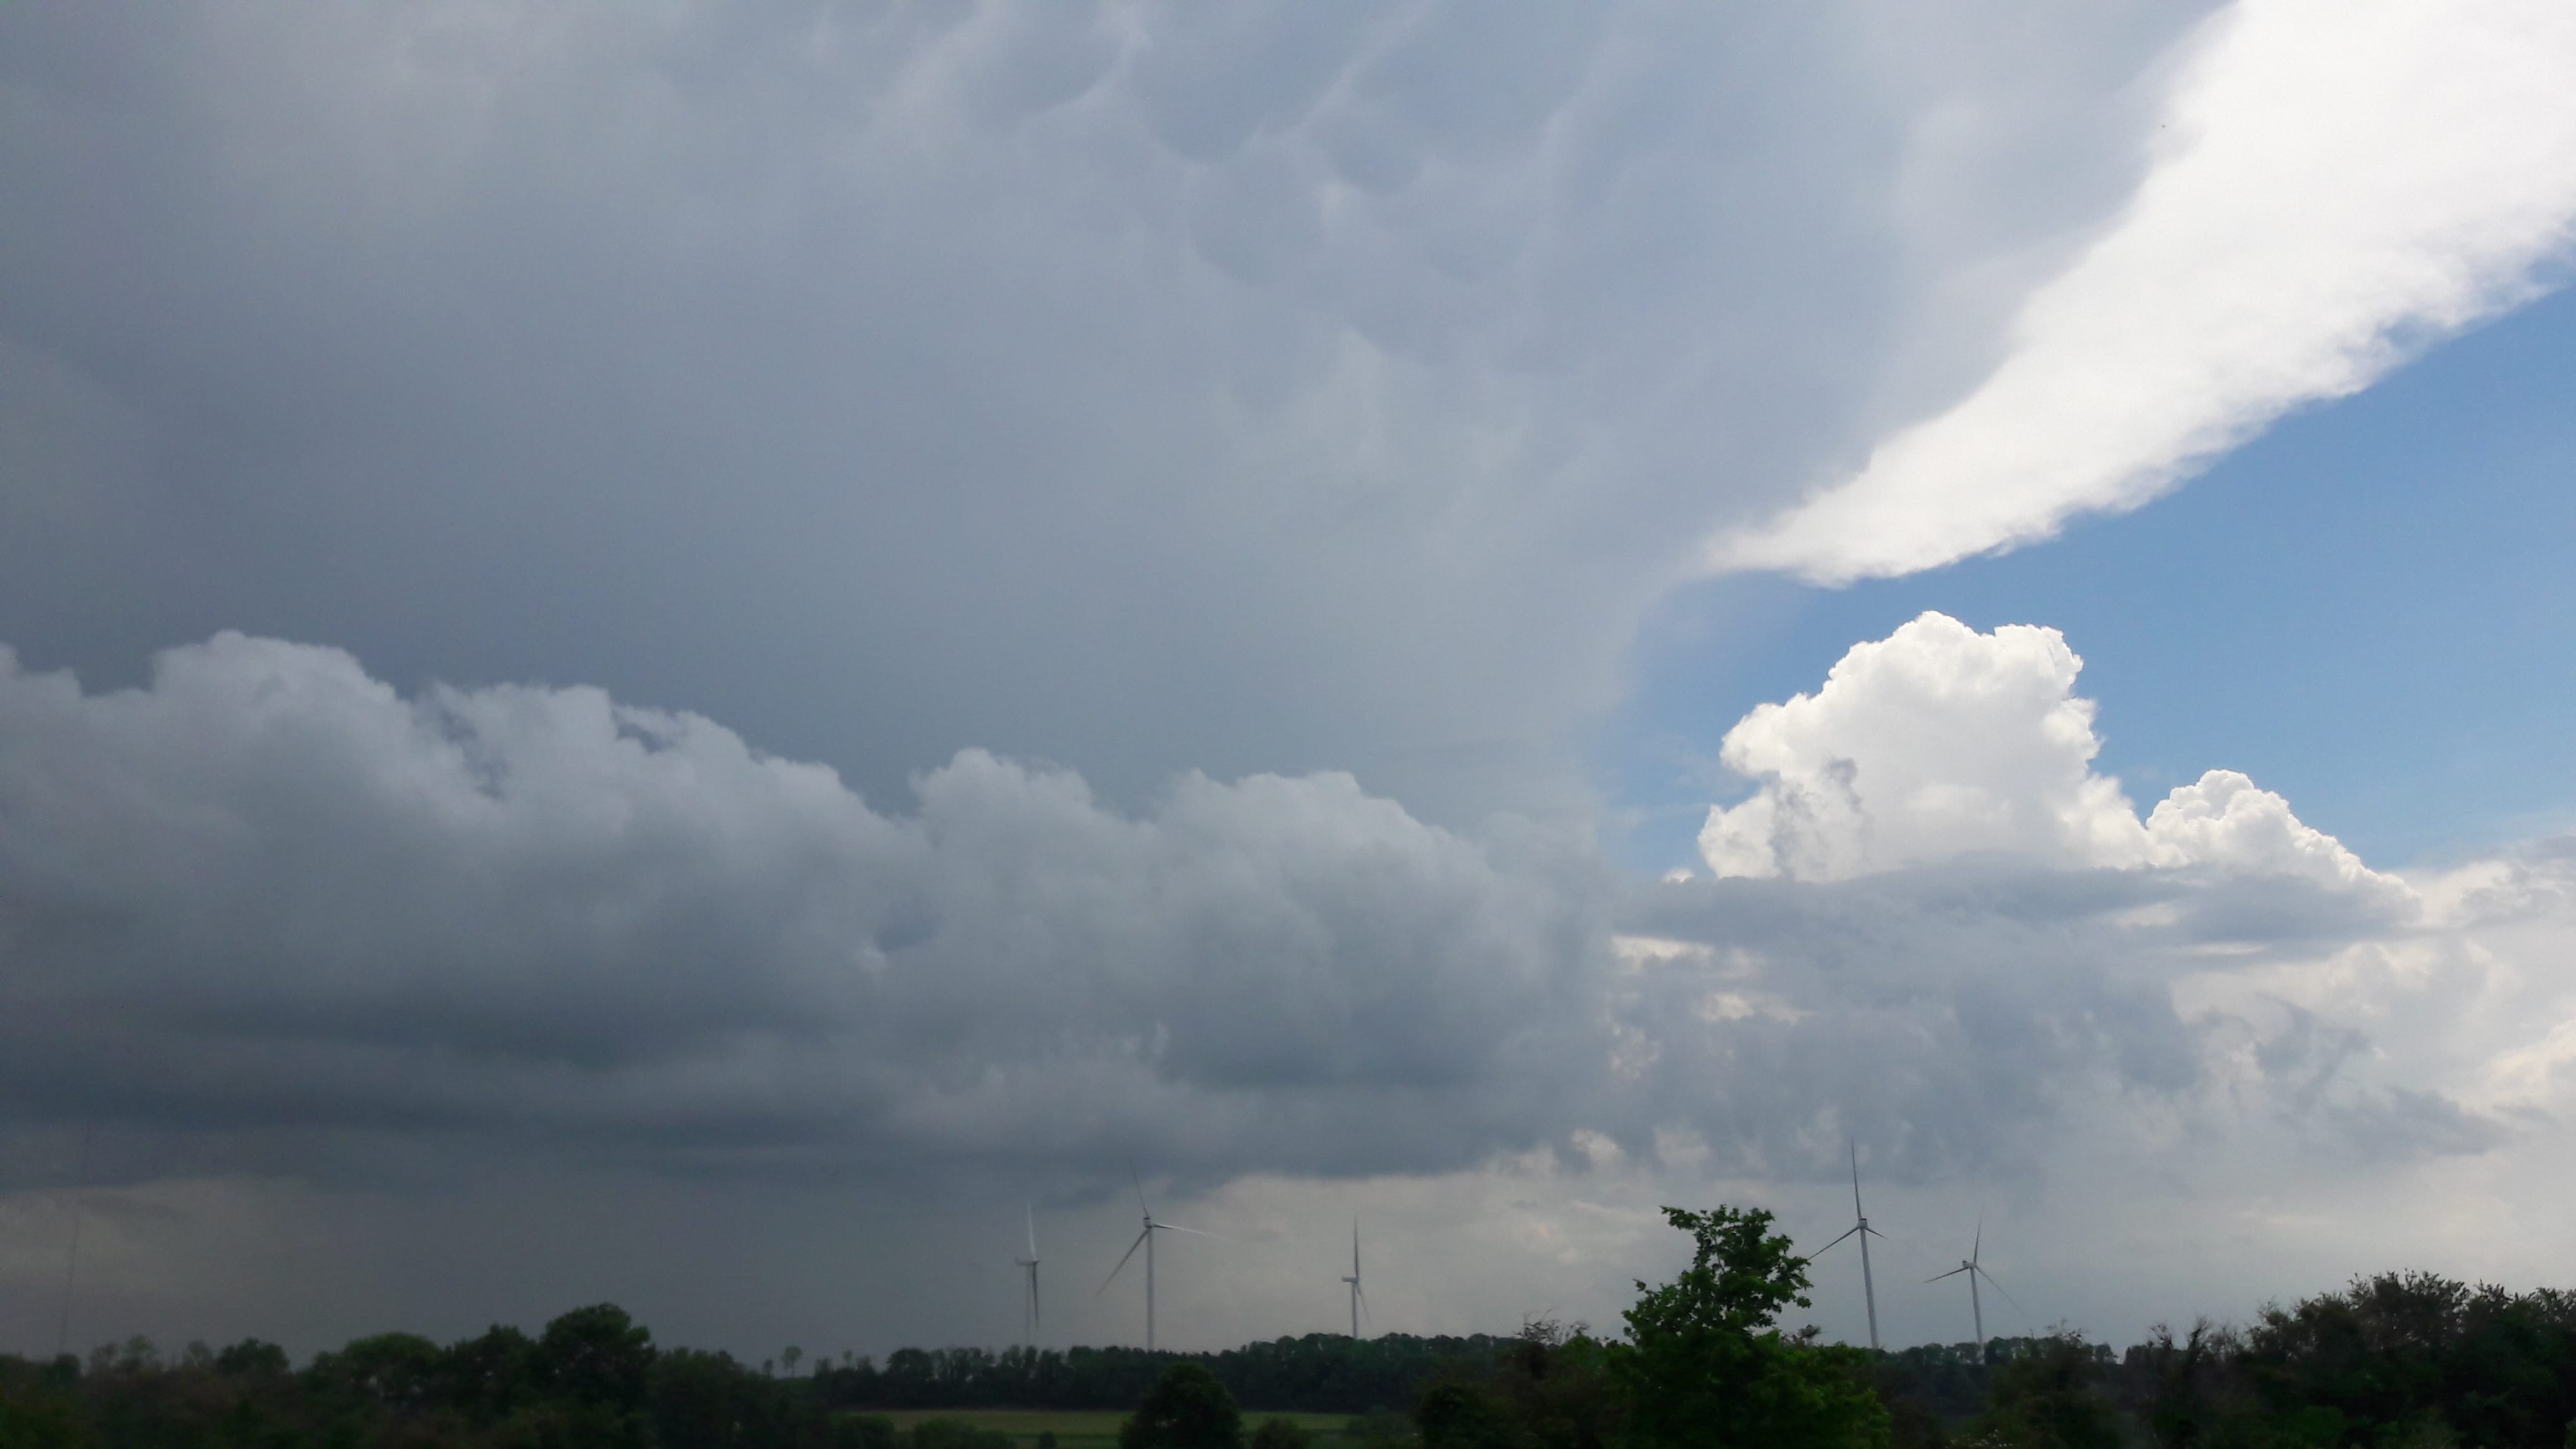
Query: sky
[705, 655]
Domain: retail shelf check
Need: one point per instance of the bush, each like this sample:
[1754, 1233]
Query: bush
[957, 1434]
[2049, 1398]
[863, 1431]
[1463, 1416]
[1274, 1433]
[1186, 1409]
[1379, 1427]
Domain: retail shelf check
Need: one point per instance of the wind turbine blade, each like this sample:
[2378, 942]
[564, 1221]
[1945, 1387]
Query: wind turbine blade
[1177, 1228]
[1977, 1249]
[1362, 1294]
[1355, 1250]
[1829, 1247]
[1140, 1191]
[1033, 1232]
[1953, 1273]
[1855, 1159]
[1122, 1263]
[1998, 1287]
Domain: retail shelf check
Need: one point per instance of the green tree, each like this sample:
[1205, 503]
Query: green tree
[1556, 1381]
[252, 1358]
[598, 1356]
[594, 1368]
[2050, 1398]
[397, 1373]
[1706, 1365]
[1186, 1409]
[490, 1376]
[33, 1418]
[1464, 1416]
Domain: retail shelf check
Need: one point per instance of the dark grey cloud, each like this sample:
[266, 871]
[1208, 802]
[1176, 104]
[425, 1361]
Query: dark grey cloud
[271, 894]
[1168, 408]
[321, 968]
[1263, 388]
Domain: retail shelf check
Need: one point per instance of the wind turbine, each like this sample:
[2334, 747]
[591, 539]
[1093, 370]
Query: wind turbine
[1358, 1299]
[1145, 1240]
[1031, 1263]
[1862, 1230]
[1974, 1266]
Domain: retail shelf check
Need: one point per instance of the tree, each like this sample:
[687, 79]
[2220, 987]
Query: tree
[1706, 1364]
[490, 1376]
[1464, 1416]
[597, 1355]
[1186, 1409]
[2049, 1398]
[252, 1358]
[1556, 1381]
[595, 1366]
[395, 1372]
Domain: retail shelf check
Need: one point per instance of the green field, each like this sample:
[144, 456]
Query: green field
[1098, 1428]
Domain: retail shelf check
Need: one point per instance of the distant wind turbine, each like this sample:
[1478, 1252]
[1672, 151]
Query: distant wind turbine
[1359, 1300]
[1031, 1263]
[1145, 1240]
[1974, 1266]
[1862, 1230]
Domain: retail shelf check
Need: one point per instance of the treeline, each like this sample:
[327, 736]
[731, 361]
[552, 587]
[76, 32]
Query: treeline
[594, 1377]
[2397, 1361]
[2402, 1360]
[592, 1380]
[1321, 1373]
[2394, 1361]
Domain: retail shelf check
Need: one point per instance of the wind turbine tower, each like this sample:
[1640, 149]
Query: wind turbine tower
[1031, 1263]
[1358, 1300]
[1145, 1240]
[1861, 1229]
[1974, 1266]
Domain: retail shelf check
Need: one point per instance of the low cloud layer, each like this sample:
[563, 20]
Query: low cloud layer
[268, 895]
[2334, 186]
[269, 892]
[283, 936]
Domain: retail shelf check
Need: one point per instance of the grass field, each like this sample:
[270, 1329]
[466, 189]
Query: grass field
[1098, 1428]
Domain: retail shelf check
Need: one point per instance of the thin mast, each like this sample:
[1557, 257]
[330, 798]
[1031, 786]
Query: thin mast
[1868, 1289]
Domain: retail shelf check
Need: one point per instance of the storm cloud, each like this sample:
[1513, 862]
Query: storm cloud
[269, 894]
[1144, 388]
[636, 621]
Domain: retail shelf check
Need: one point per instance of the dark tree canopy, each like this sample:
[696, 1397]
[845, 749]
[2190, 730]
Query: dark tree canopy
[1186, 1409]
[2395, 1361]
[1705, 1364]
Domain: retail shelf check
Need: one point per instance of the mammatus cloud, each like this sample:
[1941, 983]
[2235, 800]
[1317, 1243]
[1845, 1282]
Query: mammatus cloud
[1939, 742]
[1146, 387]
[2333, 186]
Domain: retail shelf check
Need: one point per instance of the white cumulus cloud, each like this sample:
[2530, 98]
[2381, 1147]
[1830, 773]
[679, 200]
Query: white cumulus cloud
[2334, 185]
[1939, 742]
